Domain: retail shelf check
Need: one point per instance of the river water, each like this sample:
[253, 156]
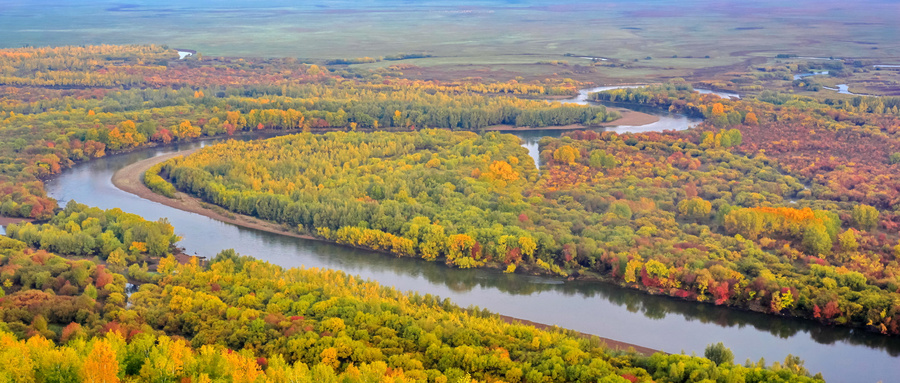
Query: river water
[813, 73]
[667, 121]
[841, 88]
[671, 325]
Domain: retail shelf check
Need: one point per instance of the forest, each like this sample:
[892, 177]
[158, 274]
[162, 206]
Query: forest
[776, 203]
[704, 215]
[237, 319]
[65, 105]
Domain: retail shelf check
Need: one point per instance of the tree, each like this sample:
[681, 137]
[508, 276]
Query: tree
[746, 222]
[894, 159]
[185, 130]
[566, 154]
[600, 159]
[242, 369]
[101, 365]
[848, 240]
[502, 170]
[620, 209]
[816, 240]
[865, 217]
[733, 136]
[750, 119]
[695, 208]
[718, 354]
[717, 115]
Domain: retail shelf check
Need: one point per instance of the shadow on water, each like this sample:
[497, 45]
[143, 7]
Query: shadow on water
[357, 261]
[650, 306]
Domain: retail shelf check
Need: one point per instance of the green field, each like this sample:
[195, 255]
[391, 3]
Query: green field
[507, 37]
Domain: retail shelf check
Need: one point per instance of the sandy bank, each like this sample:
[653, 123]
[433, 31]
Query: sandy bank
[130, 178]
[5, 221]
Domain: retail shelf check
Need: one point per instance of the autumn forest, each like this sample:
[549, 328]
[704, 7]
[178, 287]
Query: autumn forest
[775, 203]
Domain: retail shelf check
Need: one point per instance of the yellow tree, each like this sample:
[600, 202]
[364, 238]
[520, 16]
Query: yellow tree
[186, 130]
[101, 365]
[750, 119]
[167, 360]
[17, 363]
[502, 170]
[241, 368]
[566, 154]
[695, 208]
[717, 115]
[460, 246]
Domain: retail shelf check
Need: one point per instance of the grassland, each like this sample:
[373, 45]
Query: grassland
[490, 39]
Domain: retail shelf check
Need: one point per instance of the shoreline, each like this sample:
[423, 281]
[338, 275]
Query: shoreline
[629, 118]
[6, 221]
[130, 179]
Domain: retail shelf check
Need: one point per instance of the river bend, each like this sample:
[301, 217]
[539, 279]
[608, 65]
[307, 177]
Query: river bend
[663, 323]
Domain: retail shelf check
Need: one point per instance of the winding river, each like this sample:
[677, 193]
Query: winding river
[840, 88]
[842, 355]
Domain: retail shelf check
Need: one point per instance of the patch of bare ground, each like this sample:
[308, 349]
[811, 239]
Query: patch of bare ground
[4, 221]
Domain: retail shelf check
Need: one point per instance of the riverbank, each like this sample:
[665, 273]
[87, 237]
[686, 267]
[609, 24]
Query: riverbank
[629, 118]
[610, 343]
[6, 221]
[130, 179]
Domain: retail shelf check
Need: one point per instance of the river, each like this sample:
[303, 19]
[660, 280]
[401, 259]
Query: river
[813, 73]
[841, 88]
[671, 325]
[667, 120]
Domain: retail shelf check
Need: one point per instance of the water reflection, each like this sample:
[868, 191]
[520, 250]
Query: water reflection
[649, 306]
[410, 273]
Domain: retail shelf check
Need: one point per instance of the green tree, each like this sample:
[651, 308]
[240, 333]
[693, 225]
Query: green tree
[600, 159]
[865, 217]
[718, 354]
[695, 208]
[816, 240]
[620, 209]
[894, 158]
[848, 240]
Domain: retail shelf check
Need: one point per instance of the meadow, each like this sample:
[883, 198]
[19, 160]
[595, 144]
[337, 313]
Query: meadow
[642, 40]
